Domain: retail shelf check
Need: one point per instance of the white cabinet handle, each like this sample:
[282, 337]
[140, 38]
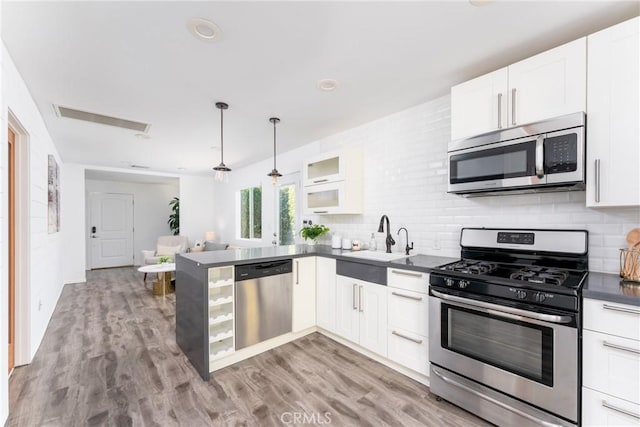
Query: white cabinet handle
[597, 180]
[361, 310]
[355, 306]
[297, 272]
[406, 273]
[620, 347]
[622, 309]
[406, 296]
[406, 337]
[622, 411]
[499, 111]
[513, 106]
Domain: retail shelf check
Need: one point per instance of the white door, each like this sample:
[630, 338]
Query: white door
[111, 229]
[549, 84]
[373, 317]
[347, 318]
[479, 105]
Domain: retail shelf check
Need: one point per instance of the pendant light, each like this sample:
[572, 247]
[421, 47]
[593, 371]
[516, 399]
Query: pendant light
[221, 169]
[274, 174]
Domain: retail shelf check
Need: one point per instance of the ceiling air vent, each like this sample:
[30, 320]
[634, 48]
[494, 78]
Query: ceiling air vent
[101, 119]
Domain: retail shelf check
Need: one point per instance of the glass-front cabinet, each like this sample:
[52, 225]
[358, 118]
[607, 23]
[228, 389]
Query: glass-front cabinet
[333, 183]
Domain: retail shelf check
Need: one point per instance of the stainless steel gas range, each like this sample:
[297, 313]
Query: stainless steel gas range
[504, 326]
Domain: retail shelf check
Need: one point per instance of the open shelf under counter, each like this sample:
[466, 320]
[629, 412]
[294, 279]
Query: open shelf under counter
[220, 283]
[220, 319]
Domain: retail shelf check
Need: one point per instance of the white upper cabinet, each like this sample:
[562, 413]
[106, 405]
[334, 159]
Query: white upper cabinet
[547, 85]
[479, 105]
[613, 109]
[333, 183]
[344, 165]
[550, 84]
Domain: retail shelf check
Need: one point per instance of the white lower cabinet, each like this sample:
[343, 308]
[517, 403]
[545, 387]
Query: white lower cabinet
[408, 349]
[326, 293]
[362, 313]
[304, 293]
[611, 364]
[408, 326]
[603, 410]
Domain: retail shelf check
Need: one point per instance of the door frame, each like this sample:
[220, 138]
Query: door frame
[22, 351]
[89, 246]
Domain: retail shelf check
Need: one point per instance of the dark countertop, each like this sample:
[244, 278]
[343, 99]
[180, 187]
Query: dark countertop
[424, 263]
[610, 287]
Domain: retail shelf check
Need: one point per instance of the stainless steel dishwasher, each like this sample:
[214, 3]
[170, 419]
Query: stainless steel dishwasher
[263, 301]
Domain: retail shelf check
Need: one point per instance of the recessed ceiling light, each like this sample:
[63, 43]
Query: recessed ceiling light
[479, 3]
[327, 85]
[204, 30]
[142, 135]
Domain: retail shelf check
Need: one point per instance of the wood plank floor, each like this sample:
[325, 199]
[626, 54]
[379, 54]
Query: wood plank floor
[109, 357]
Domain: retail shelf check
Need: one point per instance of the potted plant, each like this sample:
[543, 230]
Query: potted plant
[174, 218]
[164, 259]
[312, 232]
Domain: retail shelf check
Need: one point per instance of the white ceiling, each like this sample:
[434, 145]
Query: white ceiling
[137, 60]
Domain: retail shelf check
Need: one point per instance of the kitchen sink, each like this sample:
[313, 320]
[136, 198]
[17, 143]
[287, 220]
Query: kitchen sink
[377, 256]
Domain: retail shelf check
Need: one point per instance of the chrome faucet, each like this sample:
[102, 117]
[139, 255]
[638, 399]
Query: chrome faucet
[389, 240]
[406, 248]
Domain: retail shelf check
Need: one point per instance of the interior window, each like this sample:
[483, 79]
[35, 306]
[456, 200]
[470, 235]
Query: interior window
[250, 210]
[287, 214]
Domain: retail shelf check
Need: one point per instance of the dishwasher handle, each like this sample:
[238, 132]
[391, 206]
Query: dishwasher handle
[263, 269]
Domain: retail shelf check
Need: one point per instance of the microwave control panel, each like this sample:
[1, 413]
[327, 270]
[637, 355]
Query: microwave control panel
[561, 153]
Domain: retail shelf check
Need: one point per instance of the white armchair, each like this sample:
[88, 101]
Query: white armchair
[166, 246]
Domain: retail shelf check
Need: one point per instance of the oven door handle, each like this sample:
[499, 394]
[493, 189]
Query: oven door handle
[501, 310]
[490, 399]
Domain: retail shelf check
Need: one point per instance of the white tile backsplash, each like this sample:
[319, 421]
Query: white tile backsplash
[405, 178]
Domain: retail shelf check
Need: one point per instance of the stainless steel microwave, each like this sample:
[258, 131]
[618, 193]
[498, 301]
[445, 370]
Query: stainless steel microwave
[543, 156]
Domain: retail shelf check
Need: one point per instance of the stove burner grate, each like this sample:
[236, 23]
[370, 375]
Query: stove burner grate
[472, 267]
[549, 276]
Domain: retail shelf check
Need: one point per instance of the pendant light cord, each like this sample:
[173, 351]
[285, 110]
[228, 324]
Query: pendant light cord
[274, 144]
[222, 135]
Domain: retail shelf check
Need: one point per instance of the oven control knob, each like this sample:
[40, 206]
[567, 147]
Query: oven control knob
[449, 282]
[521, 294]
[540, 297]
[463, 284]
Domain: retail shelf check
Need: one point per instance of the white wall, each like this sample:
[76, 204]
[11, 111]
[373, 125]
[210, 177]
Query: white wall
[196, 206]
[150, 209]
[405, 177]
[45, 270]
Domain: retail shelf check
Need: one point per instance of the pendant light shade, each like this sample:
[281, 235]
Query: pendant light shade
[274, 174]
[221, 169]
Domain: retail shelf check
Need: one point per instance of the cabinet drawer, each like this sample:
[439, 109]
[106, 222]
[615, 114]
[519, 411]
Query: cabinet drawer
[601, 410]
[408, 311]
[409, 349]
[409, 280]
[611, 365]
[612, 318]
